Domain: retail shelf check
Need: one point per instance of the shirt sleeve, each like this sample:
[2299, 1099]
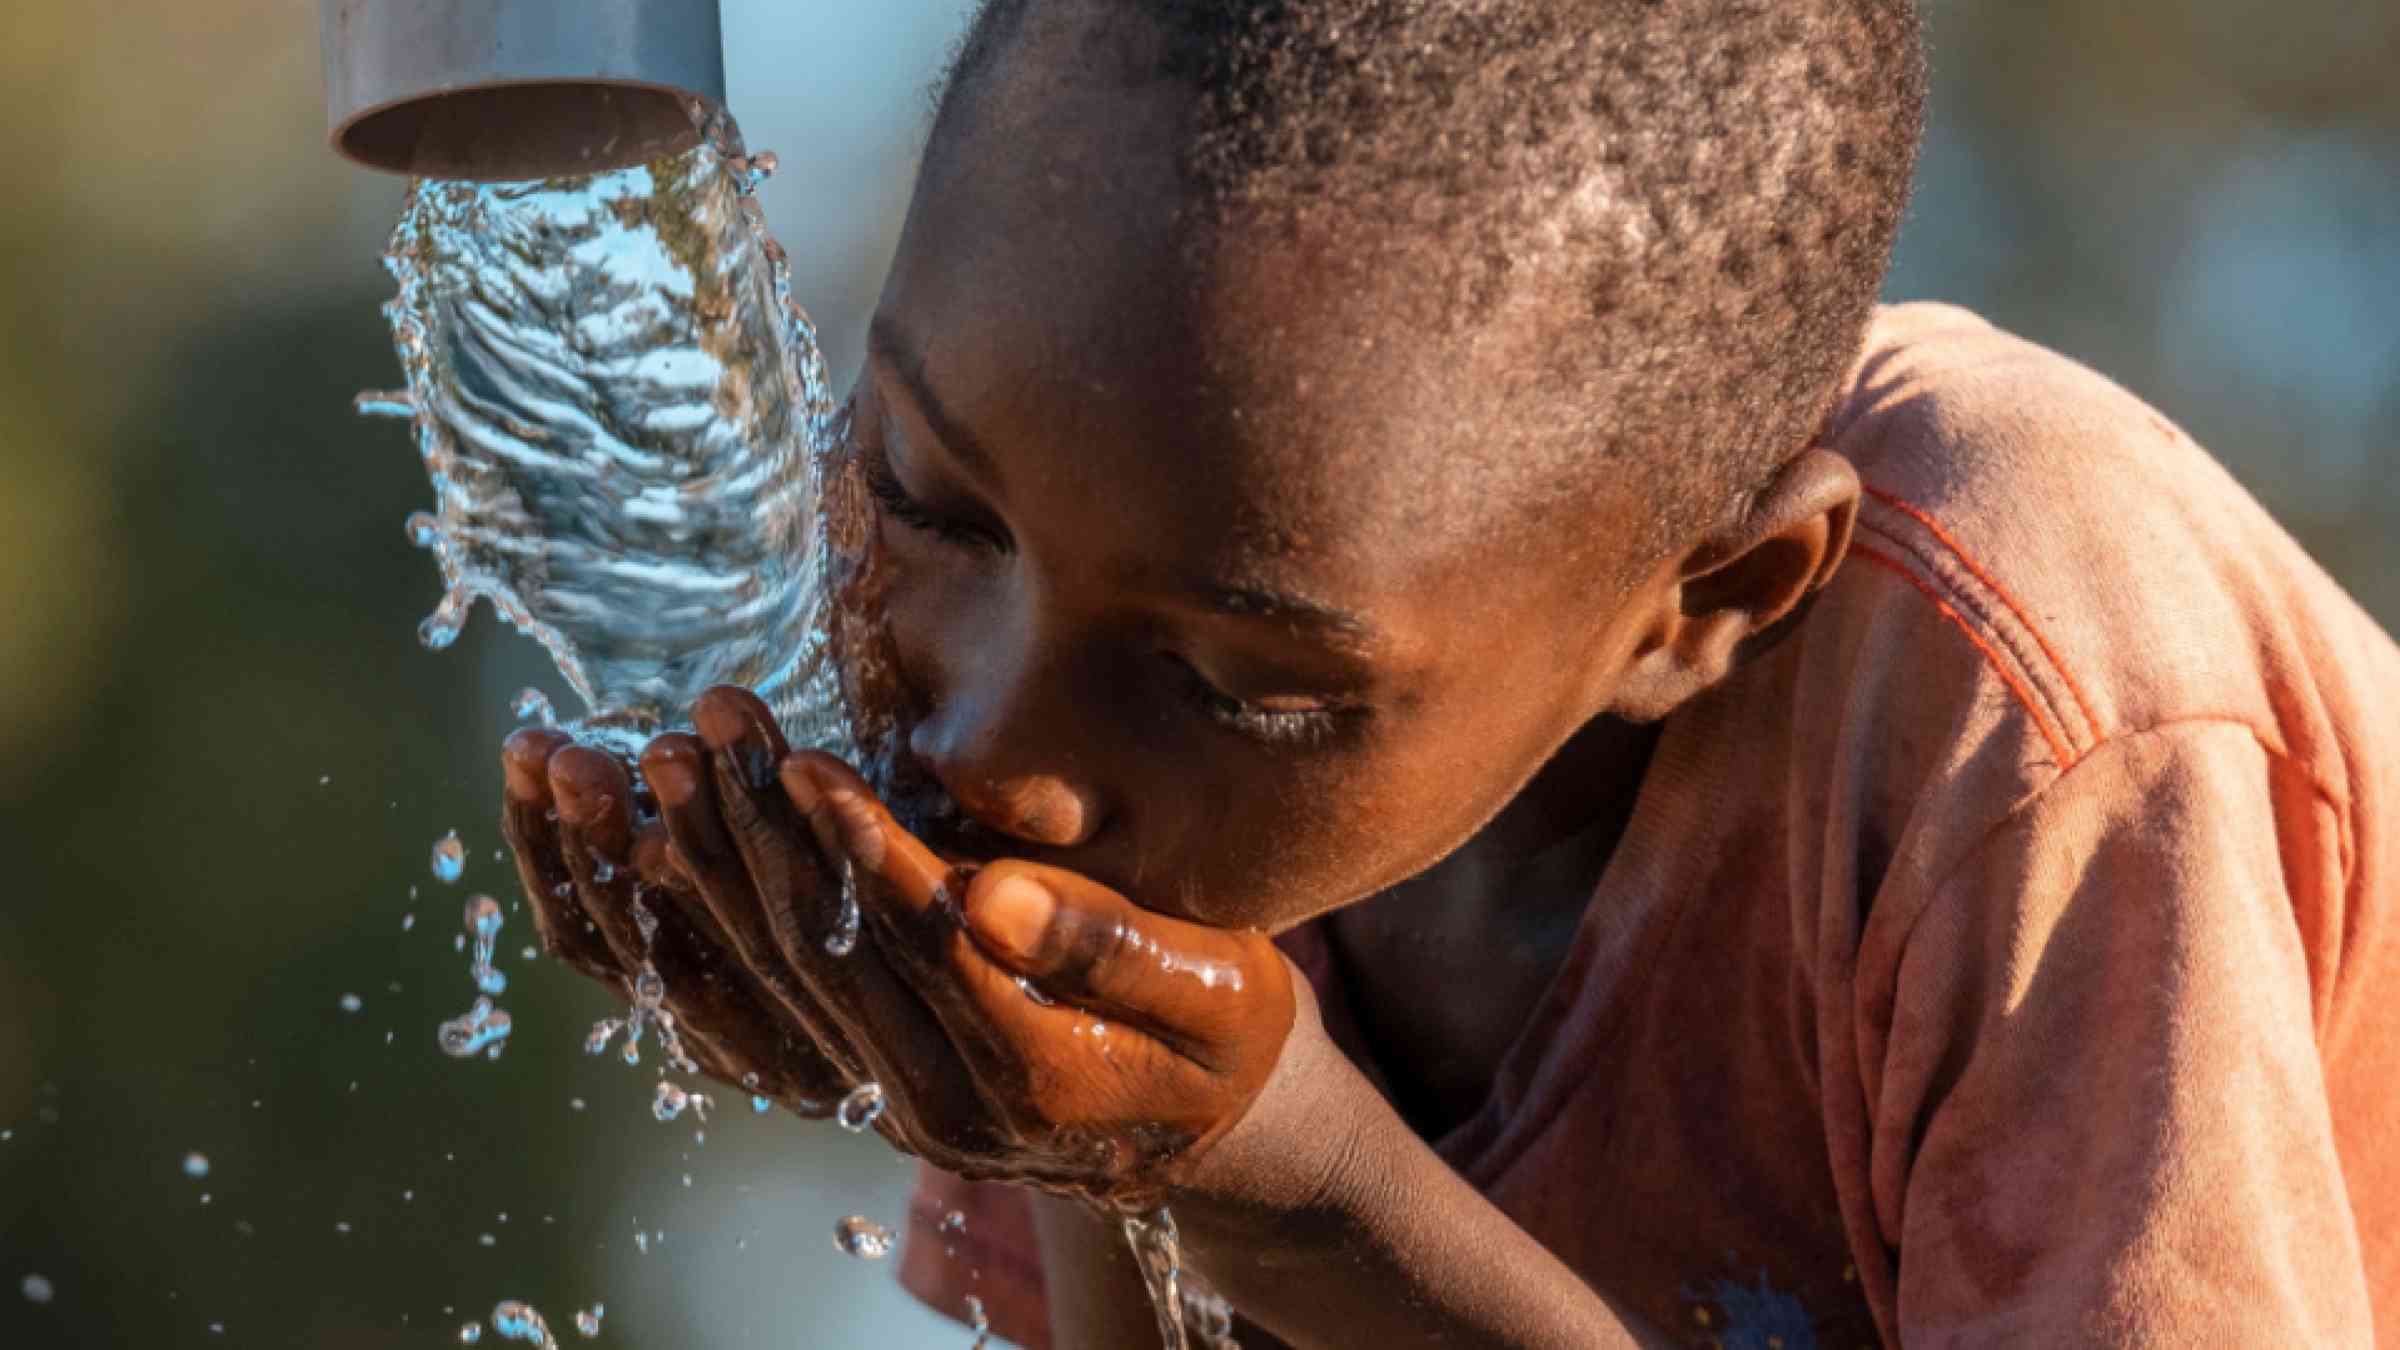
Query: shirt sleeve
[2102, 1118]
[986, 1252]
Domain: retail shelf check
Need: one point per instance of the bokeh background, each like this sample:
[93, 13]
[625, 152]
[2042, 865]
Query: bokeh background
[223, 757]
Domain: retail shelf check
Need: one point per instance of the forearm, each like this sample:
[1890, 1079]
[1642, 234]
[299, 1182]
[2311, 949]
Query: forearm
[1384, 1244]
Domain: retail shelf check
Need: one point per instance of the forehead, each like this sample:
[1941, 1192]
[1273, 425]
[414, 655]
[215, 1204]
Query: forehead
[1292, 374]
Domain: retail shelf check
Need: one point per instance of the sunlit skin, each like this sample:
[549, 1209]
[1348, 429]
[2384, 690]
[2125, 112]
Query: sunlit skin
[1205, 617]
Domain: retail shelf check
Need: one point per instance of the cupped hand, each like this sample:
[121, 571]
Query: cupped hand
[1022, 1021]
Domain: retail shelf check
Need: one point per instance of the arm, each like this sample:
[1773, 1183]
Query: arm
[2102, 1117]
[1327, 1221]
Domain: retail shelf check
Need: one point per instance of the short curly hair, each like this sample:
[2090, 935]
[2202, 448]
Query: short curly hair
[1717, 183]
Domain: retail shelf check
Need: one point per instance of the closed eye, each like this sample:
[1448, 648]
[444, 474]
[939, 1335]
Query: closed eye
[894, 500]
[1287, 721]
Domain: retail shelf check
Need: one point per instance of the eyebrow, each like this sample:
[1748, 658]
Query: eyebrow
[1268, 603]
[906, 363]
[1249, 601]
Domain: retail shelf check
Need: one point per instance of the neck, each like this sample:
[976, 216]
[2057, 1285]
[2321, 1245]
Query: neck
[1541, 857]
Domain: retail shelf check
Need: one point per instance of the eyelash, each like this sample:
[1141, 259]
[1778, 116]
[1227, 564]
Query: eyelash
[884, 486]
[1293, 728]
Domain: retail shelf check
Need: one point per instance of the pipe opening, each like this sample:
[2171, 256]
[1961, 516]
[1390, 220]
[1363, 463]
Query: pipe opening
[530, 129]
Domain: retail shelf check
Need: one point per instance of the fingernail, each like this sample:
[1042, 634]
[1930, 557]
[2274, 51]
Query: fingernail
[574, 806]
[672, 779]
[1013, 916]
[524, 762]
[730, 732]
[798, 784]
[861, 835]
[524, 780]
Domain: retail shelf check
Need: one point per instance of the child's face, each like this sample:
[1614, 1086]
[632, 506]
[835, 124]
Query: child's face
[1191, 583]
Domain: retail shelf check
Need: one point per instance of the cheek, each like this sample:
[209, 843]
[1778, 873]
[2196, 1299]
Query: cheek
[1281, 845]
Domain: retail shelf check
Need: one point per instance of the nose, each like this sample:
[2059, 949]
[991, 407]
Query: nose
[975, 749]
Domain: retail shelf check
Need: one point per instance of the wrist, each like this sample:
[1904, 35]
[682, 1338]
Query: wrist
[1302, 1160]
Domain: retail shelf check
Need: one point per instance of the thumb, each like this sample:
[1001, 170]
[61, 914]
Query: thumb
[1078, 941]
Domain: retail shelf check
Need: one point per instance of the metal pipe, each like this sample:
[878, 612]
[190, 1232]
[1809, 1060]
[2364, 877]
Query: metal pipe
[514, 89]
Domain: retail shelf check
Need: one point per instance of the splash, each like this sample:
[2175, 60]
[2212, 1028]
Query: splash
[637, 460]
[862, 1237]
[515, 1320]
[860, 1109]
[483, 920]
[479, 1030]
[1191, 1316]
[626, 420]
[449, 858]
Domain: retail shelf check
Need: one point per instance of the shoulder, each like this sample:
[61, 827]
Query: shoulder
[2044, 564]
[2105, 572]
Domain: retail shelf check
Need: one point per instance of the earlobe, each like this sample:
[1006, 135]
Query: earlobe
[1739, 581]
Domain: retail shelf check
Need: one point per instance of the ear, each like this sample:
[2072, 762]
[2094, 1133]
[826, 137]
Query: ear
[1737, 581]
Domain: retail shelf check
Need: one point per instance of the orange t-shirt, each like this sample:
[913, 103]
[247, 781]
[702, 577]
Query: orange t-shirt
[2007, 957]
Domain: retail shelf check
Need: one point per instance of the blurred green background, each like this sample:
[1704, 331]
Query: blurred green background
[223, 757]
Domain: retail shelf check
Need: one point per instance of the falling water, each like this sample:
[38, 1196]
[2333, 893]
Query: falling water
[625, 418]
[637, 460]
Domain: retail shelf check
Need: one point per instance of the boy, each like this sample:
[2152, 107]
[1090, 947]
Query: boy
[1782, 823]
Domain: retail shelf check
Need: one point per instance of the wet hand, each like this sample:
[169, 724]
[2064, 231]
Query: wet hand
[1022, 1021]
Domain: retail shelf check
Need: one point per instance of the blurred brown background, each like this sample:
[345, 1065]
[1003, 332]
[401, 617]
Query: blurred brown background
[223, 757]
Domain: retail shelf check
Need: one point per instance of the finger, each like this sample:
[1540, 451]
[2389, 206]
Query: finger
[789, 897]
[1201, 989]
[527, 823]
[851, 822]
[676, 767]
[882, 1015]
[730, 1022]
[595, 830]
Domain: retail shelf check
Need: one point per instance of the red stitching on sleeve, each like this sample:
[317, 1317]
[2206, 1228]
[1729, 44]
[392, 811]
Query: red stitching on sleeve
[1974, 568]
[2058, 745]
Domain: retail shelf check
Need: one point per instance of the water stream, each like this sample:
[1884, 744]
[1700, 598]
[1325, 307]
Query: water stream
[636, 460]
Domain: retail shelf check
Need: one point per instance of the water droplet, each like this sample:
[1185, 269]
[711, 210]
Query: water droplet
[195, 1164]
[342, 1227]
[471, 1333]
[423, 530]
[515, 1320]
[383, 403]
[483, 920]
[979, 1320]
[479, 1028]
[603, 1031]
[641, 1241]
[441, 627]
[449, 858]
[532, 705]
[859, 1109]
[760, 1105]
[862, 1237]
[37, 1289]
[407, 921]
[844, 937]
[668, 1102]
[587, 1320]
[352, 1003]
[954, 1222]
[486, 1240]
